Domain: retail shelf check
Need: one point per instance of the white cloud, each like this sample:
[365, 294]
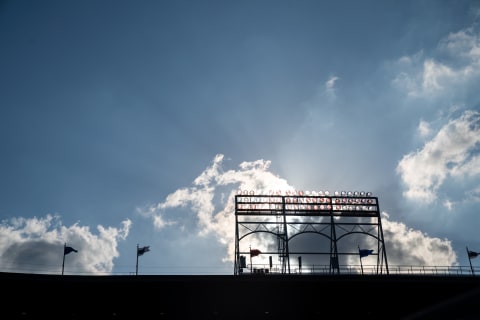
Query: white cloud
[448, 204]
[159, 222]
[468, 168]
[330, 84]
[330, 90]
[211, 198]
[35, 245]
[464, 44]
[424, 129]
[457, 65]
[451, 152]
[436, 76]
[409, 247]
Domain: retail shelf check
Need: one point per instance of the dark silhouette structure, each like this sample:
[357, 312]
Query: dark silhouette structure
[249, 296]
[338, 222]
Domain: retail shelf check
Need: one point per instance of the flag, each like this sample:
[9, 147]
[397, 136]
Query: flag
[472, 254]
[67, 250]
[254, 252]
[364, 252]
[141, 251]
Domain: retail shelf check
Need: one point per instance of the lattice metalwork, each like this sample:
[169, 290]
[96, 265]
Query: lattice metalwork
[332, 231]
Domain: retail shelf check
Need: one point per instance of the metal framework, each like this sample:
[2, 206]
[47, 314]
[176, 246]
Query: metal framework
[340, 222]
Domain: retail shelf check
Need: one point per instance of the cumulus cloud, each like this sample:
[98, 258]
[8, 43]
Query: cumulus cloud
[35, 245]
[210, 201]
[409, 247]
[456, 64]
[453, 151]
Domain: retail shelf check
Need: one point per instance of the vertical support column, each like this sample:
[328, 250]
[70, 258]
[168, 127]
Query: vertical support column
[286, 253]
[382, 251]
[237, 264]
[334, 264]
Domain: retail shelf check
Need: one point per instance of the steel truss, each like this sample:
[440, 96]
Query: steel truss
[285, 217]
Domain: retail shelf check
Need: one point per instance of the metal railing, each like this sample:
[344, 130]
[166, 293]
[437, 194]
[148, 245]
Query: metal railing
[276, 269]
[372, 270]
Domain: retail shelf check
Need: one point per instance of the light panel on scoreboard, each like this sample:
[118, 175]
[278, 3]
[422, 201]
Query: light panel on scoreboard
[321, 203]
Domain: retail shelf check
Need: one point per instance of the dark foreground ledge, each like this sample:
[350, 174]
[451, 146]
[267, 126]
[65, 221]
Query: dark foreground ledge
[34, 296]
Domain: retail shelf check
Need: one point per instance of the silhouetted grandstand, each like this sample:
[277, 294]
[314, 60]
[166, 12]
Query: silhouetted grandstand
[249, 296]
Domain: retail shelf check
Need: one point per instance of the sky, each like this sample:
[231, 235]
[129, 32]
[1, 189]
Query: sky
[135, 123]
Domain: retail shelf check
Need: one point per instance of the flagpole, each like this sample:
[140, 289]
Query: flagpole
[251, 266]
[470, 260]
[360, 257]
[136, 268]
[63, 263]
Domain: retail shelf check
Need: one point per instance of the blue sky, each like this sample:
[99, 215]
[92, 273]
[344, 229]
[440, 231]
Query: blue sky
[127, 122]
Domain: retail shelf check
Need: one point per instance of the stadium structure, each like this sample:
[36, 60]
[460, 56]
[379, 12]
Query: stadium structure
[279, 218]
[280, 280]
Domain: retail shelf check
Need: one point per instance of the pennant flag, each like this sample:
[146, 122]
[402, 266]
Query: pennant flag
[364, 252]
[472, 254]
[254, 252]
[67, 250]
[141, 251]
